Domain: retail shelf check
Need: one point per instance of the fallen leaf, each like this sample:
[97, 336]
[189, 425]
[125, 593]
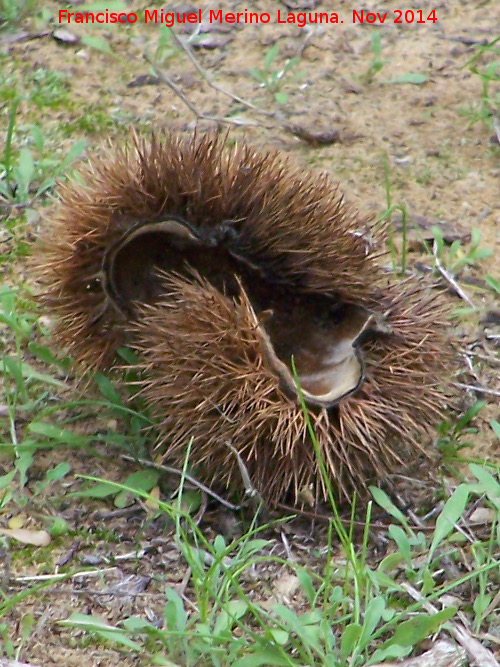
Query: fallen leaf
[211, 41]
[65, 36]
[143, 80]
[152, 502]
[315, 137]
[39, 538]
[415, 79]
[285, 587]
[482, 516]
[15, 522]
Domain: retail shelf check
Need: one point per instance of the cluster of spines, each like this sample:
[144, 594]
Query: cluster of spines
[203, 366]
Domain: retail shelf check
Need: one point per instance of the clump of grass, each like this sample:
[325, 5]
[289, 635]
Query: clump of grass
[401, 265]
[344, 613]
[452, 258]
[26, 174]
[13, 12]
[35, 418]
[48, 88]
[453, 433]
[273, 78]
[485, 64]
[93, 121]
[347, 606]
[376, 62]
[166, 48]
[456, 257]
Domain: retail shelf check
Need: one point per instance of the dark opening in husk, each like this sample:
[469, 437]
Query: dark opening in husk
[322, 334]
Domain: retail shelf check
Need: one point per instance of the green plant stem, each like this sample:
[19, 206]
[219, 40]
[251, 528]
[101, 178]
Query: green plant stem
[8, 141]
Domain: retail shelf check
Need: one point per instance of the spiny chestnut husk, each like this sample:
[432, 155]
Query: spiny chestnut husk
[225, 269]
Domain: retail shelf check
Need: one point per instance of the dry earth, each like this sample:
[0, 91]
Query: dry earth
[443, 169]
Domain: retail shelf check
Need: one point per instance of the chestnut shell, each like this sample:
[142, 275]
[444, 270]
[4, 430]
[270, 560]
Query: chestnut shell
[237, 276]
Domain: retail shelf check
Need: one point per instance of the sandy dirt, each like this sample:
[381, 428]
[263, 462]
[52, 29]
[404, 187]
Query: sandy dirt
[442, 167]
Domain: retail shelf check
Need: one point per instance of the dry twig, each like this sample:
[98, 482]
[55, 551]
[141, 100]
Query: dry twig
[442, 654]
[215, 86]
[449, 278]
[199, 114]
[189, 478]
[477, 390]
[274, 118]
[480, 655]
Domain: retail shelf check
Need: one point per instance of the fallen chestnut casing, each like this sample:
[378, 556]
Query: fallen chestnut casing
[221, 265]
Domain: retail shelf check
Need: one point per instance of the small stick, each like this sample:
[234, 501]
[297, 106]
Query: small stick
[484, 357]
[15, 663]
[188, 478]
[496, 127]
[288, 551]
[278, 118]
[24, 37]
[480, 655]
[199, 114]
[206, 76]
[449, 278]
[61, 577]
[250, 491]
[442, 654]
[481, 390]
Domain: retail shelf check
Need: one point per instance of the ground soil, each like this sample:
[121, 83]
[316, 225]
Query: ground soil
[442, 168]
